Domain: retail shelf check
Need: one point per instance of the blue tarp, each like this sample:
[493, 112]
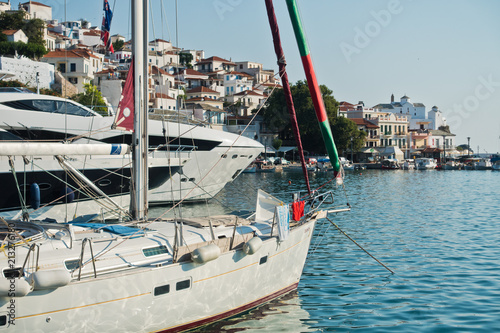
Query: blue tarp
[113, 228]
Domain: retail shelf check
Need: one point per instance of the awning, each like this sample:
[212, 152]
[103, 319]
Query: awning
[270, 150]
[286, 149]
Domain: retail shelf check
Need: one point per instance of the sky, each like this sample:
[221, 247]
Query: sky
[441, 53]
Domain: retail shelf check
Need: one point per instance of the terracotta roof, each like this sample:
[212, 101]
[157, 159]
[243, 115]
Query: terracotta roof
[164, 96]
[206, 99]
[105, 71]
[92, 33]
[201, 89]
[35, 3]
[240, 73]
[76, 53]
[211, 59]
[363, 122]
[431, 150]
[189, 71]
[156, 70]
[159, 40]
[248, 92]
[9, 32]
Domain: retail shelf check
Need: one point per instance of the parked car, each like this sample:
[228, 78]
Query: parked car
[281, 160]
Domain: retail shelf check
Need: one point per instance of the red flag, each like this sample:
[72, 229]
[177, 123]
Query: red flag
[125, 116]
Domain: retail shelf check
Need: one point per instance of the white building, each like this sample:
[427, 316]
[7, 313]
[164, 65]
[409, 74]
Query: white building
[4, 6]
[91, 38]
[197, 55]
[236, 82]
[247, 101]
[26, 70]
[256, 69]
[192, 78]
[214, 64]
[37, 10]
[15, 36]
[436, 116]
[414, 111]
[77, 66]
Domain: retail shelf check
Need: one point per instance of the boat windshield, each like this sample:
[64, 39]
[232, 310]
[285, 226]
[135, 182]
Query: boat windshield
[7, 136]
[15, 90]
[50, 106]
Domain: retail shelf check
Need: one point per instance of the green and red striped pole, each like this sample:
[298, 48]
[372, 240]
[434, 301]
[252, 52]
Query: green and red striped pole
[319, 105]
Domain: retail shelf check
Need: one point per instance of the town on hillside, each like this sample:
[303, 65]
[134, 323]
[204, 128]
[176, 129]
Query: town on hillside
[218, 92]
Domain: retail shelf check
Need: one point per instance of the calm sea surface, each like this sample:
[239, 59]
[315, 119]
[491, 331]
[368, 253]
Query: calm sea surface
[439, 231]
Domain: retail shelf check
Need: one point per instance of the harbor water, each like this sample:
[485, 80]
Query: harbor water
[437, 230]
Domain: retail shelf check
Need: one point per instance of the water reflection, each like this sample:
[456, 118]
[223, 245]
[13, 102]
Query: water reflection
[284, 314]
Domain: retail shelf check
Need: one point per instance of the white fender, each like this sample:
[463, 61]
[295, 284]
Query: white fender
[14, 287]
[50, 279]
[252, 246]
[205, 253]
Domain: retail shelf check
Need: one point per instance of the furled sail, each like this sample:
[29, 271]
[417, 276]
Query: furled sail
[124, 118]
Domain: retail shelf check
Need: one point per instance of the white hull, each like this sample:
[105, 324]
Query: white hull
[196, 182]
[122, 297]
[214, 157]
[425, 164]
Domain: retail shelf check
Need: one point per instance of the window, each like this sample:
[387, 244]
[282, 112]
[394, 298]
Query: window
[181, 285]
[161, 290]
[72, 67]
[263, 260]
[50, 106]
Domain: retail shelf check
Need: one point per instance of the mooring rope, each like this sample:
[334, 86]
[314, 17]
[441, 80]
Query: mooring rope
[336, 226]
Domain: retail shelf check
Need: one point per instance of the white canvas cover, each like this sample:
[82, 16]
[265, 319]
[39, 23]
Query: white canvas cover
[266, 204]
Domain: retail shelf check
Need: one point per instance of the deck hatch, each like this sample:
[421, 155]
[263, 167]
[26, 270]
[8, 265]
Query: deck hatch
[155, 251]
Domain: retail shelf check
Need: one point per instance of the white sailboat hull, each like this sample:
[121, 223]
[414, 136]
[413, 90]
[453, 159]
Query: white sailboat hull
[125, 301]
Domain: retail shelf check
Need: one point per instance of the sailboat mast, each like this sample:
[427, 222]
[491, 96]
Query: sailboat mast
[140, 137]
[286, 85]
[319, 105]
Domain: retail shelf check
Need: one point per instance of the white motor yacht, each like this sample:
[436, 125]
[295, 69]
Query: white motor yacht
[213, 157]
[425, 163]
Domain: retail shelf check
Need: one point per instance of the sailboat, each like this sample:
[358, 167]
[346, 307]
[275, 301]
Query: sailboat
[153, 275]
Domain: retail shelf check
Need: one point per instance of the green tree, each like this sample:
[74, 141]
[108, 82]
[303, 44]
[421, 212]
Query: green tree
[343, 130]
[118, 44]
[185, 59]
[276, 117]
[29, 50]
[92, 97]
[14, 21]
[33, 29]
[277, 143]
